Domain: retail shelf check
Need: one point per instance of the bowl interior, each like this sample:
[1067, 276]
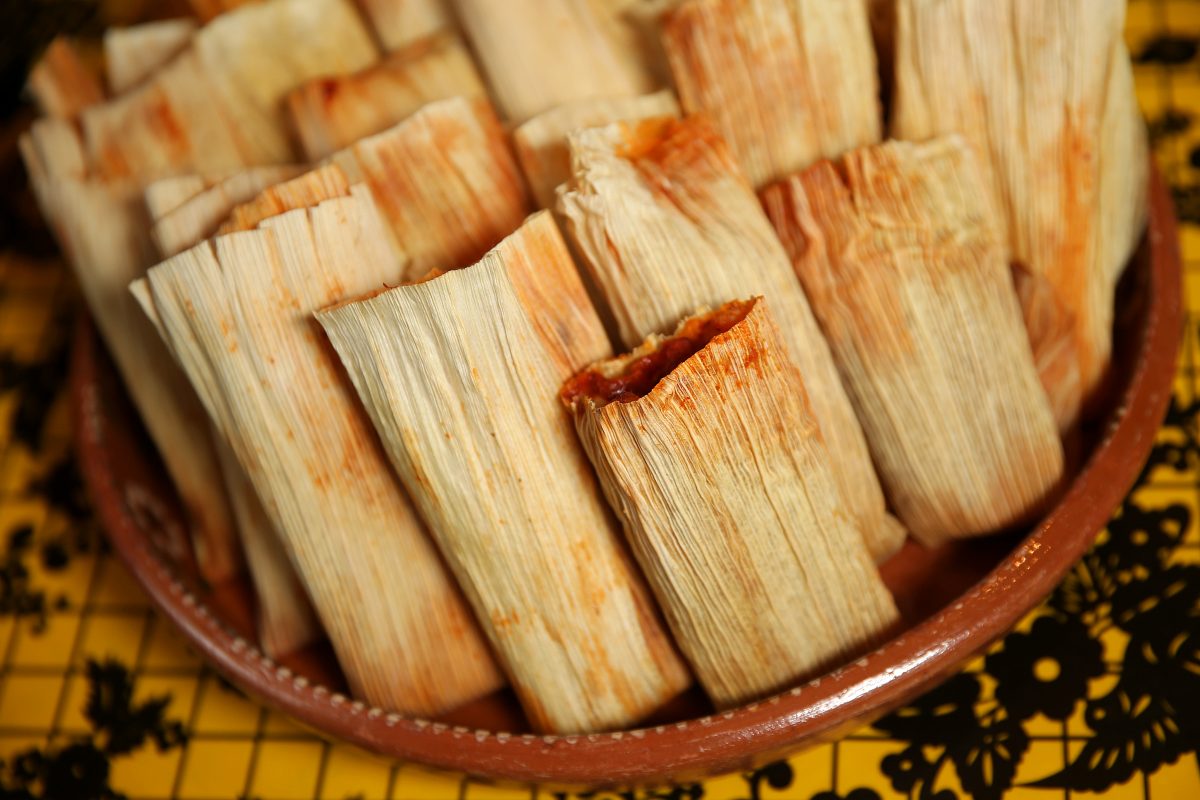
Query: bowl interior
[948, 596]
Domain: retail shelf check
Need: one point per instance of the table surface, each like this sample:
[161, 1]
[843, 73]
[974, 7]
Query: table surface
[1097, 691]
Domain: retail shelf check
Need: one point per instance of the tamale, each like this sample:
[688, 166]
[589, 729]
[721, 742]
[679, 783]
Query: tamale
[61, 83]
[218, 105]
[460, 375]
[786, 82]
[538, 55]
[541, 143]
[305, 191]
[707, 447]
[445, 181]
[666, 223]
[908, 278]
[197, 216]
[333, 112]
[399, 23]
[132, 54]
[103, 233]
[237, 310]
[1043, 93]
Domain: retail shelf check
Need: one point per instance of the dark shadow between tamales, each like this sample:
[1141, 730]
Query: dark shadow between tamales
[707, 446]
[1043, 92]
[666, 223]
[238, 312]
[907, 275]
[460, 374]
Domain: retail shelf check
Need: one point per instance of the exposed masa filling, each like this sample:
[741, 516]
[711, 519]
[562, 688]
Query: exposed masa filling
[631, 377]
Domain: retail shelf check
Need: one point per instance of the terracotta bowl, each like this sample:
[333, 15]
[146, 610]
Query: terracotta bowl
[955, 600]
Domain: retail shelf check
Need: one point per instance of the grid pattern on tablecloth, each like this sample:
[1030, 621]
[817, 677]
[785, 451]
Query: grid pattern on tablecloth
[235, 749]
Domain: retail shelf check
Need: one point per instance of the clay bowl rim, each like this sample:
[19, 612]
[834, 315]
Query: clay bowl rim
[722, 742]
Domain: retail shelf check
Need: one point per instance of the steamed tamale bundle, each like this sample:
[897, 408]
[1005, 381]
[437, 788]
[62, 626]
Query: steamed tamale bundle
[666, 224]
[445, 181]
[399, 23]
[1043, 92]
[218, 105]
[286, 620]
[331, 113]
[186, 210]
[61, 83]
[132, 54]
[707, 447]
[104, 233]
[909, 281]
[541, 143]
[786, 82]
[538, 55]
[460, 375]
[237, 311]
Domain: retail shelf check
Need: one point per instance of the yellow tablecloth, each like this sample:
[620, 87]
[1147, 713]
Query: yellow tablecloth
[1099, 690]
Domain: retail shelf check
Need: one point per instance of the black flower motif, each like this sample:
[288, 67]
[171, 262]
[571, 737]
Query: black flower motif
[986, 766]
[854, 794]
[908, 768]
[1045, 670]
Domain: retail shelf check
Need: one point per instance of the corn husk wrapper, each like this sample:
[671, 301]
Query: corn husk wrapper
[332, 113]
[1043, 93]
[102, 230]
[61, 83]
[908, 278]
[786, 82]
[539, 55]
[541, 143]
[445, 181]
[666, 223]
[460, 375]
[191, 217]
[208, 9]
[237, 310]
[286, 620]
[399, 23]
[133, 54]
[723, 481]
[306, 191]
[218, 105]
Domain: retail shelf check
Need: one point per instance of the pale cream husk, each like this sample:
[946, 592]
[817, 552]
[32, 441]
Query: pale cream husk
[1043, 92]
[102, 229]
[445, 181]
[907, 275]
[724, 484]
[538, 55]
[460, 376]
[786, 82]
[666, 224]
[399, 23]
[218, 105]
[331, 113]
[541, 143]
[132, 54]
[286, 620]
[237, 310]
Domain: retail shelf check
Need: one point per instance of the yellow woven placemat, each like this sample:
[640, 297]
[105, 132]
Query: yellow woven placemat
[1097, 691]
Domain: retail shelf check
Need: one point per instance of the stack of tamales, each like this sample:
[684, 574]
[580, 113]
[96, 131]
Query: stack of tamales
[390, 392]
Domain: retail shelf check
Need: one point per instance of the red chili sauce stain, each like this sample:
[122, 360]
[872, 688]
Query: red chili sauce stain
[642, 374]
